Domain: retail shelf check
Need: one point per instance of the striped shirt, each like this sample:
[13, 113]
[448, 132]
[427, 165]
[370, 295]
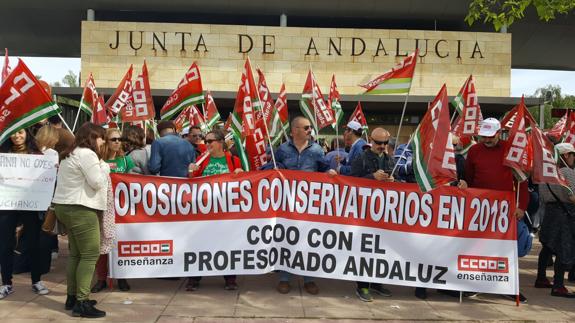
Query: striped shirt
[562, 192]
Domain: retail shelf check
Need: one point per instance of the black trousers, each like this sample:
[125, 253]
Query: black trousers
[32, 226]
[558, 268]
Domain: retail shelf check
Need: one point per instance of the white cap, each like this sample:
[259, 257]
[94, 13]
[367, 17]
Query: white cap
[185, 131]
[564, 148]
[489, 127]
[354, 125]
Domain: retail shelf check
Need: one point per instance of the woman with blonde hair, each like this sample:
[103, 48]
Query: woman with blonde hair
[119, 163]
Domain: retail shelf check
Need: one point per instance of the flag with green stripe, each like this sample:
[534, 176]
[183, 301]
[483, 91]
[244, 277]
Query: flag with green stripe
[433, 154]
[334, 104]
[313, 105]
[23, 102]
[211, 114]
[188, 92]
[396, 81]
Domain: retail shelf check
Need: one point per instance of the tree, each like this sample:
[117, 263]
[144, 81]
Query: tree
[71, 79]
[505, 12]
[553, 98]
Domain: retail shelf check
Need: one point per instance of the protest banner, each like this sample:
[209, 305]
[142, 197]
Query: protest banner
[27, 181]
[332, 227]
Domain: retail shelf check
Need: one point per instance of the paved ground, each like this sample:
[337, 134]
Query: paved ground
[153, 300]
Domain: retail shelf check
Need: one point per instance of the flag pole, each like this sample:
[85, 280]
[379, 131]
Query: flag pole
[266, 127]
[313, 101]
[60, 115]
[517, 258]
[76, 119]
[402, 114]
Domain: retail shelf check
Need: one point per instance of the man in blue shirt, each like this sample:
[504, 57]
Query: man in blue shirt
[301, 153]
[171, 155]
[354, 132]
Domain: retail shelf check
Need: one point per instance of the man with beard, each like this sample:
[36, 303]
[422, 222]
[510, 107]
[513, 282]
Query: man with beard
[484, 169]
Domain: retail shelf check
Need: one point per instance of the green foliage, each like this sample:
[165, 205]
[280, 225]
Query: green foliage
[505, 12]
[70, 79]
[553, 99]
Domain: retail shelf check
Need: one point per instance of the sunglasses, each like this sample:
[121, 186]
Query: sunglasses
[115, 139]
[209, 141]
[306, 128]
[377, 142]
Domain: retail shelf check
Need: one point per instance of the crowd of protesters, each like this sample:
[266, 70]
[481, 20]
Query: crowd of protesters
[83, 201]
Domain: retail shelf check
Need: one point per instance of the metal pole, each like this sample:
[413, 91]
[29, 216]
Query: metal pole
[402, 114]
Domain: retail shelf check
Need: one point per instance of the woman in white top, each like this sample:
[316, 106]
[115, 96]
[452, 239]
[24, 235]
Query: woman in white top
[81, 192]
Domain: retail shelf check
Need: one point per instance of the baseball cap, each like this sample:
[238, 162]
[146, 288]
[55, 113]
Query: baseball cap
[489, 127]
[354, 125]
[564, 148]
[185, 131]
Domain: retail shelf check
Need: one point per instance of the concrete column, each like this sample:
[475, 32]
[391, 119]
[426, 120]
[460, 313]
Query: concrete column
[91, 15]
[283, 20]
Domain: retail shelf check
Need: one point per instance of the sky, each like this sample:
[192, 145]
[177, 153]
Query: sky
[523, 81]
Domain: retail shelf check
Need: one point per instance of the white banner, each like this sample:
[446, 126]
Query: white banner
[27, 181]
[453, 242]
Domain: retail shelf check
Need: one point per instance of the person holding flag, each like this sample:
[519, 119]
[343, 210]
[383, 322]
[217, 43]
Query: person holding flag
[484, 168]
[354, 134]
[301, 153]
[557, 233]
[373, 163]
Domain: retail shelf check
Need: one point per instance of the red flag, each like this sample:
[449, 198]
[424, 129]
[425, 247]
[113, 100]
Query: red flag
[89, 100]
[519, 153]
[188, 92]
[183, 119]
[142, 99]
[100, 117]
[23, 102]
[267, 102]
[314, 106]
[560, 128]
[434, 157]
[545, 168]
[211, 114]
[243, 116]
[281, 105]
[334, 104]
[6, 69]
[509, 118]
[570, 133]
[123, 94]
[197, 119]
[256, 146]
[358, 116]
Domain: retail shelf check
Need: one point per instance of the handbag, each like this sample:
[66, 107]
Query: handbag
[560, 203]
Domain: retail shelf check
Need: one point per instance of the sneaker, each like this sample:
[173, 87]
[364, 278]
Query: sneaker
[71, 301]
[363, 294]
[283, 287]
[5, 290]
[380, 290]
[192, 285]
[40, 289]
[470, 294]
[448, 292]
[311, 288]
[522, 298]
[562, 292]
[421, 292]
[543, 283]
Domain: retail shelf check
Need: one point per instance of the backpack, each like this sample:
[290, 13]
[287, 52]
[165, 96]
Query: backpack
[524, 239]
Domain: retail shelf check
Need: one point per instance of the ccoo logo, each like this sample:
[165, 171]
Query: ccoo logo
[482, 264]
[145, 248]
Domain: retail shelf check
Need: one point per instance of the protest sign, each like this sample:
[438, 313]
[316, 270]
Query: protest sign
[27, 181]
[332, 227]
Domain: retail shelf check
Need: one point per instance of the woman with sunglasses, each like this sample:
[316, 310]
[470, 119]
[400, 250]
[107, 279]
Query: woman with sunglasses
[220, 161]
[119, 163]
